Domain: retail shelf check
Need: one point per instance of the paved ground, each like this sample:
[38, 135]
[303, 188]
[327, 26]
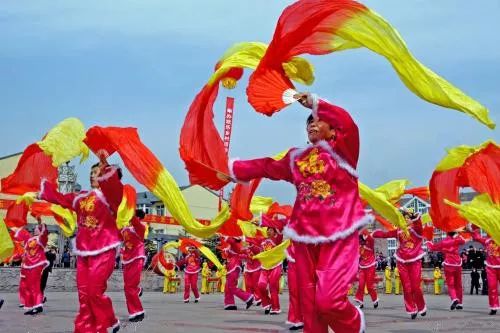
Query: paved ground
[167, 313]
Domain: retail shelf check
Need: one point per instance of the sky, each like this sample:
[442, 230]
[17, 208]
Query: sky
[140, 63]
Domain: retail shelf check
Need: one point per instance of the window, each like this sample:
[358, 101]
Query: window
[160, 210]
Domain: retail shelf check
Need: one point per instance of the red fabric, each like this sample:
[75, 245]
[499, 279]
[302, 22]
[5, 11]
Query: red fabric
[131, 195]
[271, 279]
[131, 285]
[482, 172]
[275, 208]
[201, 147]
[428, 232]
[191, 283]
[33, 166]
[366, 279]
[304, 27]
[188, 242]
[421, 192]
[411, 274]
[453, 277]
[32, 295]
[16, 215]
[386, 224]
[252, 283]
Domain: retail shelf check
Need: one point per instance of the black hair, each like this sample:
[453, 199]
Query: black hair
[94, 166]
[140, 213]
[118, 170]
[310, 119]
[451, 233]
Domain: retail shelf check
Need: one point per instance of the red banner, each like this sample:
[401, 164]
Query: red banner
[149, 218]
[228, 129]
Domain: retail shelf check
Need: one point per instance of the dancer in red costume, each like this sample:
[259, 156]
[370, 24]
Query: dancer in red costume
[253, 269]
[326, 216]
[452, 266]
[233, 251]
[408, 257]
[33, 263]
[192, 267]
[367, 268]
[492, 269]
[20, 236]
[294, 309]
[133, 261]
[95, 244]
[271, 277]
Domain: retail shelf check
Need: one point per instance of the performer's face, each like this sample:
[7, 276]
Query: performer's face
[94, 173]
[319, 130]
[271, 232]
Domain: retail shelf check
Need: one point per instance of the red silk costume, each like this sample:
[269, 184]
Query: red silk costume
[326, 216]
[492, 268]
[192, 268]
[294, 309]
[366, 269]
[234, 253]
[96, 242]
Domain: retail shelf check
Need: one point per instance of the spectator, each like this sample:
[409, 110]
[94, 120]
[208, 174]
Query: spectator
[66, 258]
[480, 257]
[51, 257]
[484, 277]
[464, 257]
[474, 276]
[471, 257]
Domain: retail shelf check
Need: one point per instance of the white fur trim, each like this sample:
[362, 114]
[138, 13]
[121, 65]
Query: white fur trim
[405, 261]
[358, 301]
[251, 298]
[125, 262]
[423, 310]
[491, 266]
[252, 270]
[45, 263]
[289, 257]
[287, 96]
[232, 270]
[340, 161]
[376, 301]
[453, 265]
[270, 269]
[108, 174]
[115, 325]
[135, 314]
[33, 307]
[362, 325]
[228, 305]
[315, 102]
[497, 308]
[368, 266]
[275, 311]
[187, 272]
[42, 188]
[412, 313]
[93, 252]
[292, 234]
[231, 172]
[197, 299]
[294, 324]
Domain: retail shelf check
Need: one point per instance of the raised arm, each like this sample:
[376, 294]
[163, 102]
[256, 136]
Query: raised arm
[111, 187]
[50, 193]
[346, 130]
[139, 227]
[261, 168]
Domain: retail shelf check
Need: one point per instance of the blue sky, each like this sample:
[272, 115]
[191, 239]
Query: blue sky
[140, 63]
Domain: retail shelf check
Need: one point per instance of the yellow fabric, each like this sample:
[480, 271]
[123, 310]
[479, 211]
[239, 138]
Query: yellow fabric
[426, 218]
[6, 244]
[168, 192]
[28, 198]
[248, 55]
[397, 282]
[368, 29]
[65, 141]
[379, 203]
[437, 274]
[125, 213]
[260, 204]
[211, 256]
[205, 274]
[393, 190]
[437, 287]
[250, 229]
[221, 274]
[483, 212]
[274, 256]
[69, 217]
[388, 285]
[456, 156]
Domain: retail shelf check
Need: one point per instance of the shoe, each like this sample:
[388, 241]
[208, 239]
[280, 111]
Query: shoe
[38, 310]
[413, 316]
[250, 303]
[186, 301]
[423, 313]
[258, 303]
[137, 318]
[140, 292]
[274, 313]
[44, 299]
[116, 328]
[1, 303]
[454, 305]
[21, 305]
[29, 312]
[375, 305]
[460, 307]
[267, 311]
[296, 328]
[493, 312]
[231, 308]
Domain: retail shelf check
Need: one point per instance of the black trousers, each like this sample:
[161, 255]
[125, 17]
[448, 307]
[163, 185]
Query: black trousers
[45, 276]
[474, 285]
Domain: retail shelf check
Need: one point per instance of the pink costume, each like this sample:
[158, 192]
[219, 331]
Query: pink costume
[97, 240]
[21, 236]
[367, 270]
[294, 310]
[252, 272]
[452, 265]
[408, 256]
[192, 267]
[492, 268]
[271, 277]
[133, 261]
[33, 263]
[234, 253]
[325, 219]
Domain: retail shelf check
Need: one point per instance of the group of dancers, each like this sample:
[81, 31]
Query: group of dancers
[328, 242]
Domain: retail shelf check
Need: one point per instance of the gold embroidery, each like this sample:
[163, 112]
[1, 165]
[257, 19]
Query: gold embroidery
[32, 247]
[311, 164]
[493, 250]
[88, 204]
[90, 222]
[321, 189]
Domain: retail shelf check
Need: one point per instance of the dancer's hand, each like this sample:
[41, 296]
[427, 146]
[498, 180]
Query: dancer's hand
[305, 99]
[224, 177]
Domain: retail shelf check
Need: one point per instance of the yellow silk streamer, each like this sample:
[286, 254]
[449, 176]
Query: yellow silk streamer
[69, 226]
[6, 244]
[368, 29]
[456, 157]
[483, 212]
[271, 258]
[65, 141]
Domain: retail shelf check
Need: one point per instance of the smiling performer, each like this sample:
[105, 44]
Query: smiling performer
[326, 216]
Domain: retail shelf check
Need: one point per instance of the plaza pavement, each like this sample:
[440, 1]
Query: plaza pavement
[167, 313]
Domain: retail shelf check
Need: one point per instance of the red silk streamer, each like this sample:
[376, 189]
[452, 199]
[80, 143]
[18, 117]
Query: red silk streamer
[421, 192]
[16, 215]
[33, 166]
